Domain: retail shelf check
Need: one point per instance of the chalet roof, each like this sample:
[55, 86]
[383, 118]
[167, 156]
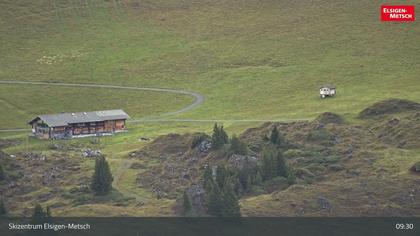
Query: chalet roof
[63, 119]
[327, 86]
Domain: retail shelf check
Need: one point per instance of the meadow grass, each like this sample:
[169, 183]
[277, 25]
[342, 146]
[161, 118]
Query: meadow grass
[251, 60]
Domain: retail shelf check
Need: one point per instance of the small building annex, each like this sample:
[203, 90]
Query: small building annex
[80, 124]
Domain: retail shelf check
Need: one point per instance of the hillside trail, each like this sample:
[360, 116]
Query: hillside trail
[125, 163]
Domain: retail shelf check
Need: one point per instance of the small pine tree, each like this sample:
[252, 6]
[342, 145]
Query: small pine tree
[237, 146]
[230, 203]
[258, 179]
[219, 137]
[214, 205]
[223, 135]
[3, 210]
[274, 137]
[207, 177]
[48, 212]
[269, 163]
[221, 176]
[102, 177]
[282, 168]
[249, 183]
[2, 175]
[186, 204]
[291, 179]
[39, 215]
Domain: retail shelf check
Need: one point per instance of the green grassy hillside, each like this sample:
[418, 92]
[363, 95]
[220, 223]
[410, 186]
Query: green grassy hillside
[251, 59]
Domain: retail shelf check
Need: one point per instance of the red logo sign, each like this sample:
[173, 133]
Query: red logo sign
[397, 13]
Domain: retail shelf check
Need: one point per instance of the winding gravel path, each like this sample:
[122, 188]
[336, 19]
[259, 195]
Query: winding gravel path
[198, 98]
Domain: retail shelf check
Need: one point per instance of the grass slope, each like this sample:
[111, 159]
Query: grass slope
[251, 59]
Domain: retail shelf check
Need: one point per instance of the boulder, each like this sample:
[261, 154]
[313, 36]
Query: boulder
[204, 146]
[240, 162]
[324, 203]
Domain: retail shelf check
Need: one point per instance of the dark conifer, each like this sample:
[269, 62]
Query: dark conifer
[219, 137]
[3, 210]
[102, 177]
[186, 204]
[39, 215]
[207, 177]
[215, 203]
[237, 146]
[221, 176]
[282, 169]
[230, 203]
[2, 175]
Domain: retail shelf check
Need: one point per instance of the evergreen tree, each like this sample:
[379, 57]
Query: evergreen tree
[237, 146]
[39, 215]
[219, 137]
[102, 177]
[230, 203]
[291, 179]
[2, 175]
[282, 169]
[249, 183]
[48, 212]
[221, 176]
[274, 137]
[208, 177]
[223, 135]
[258, 179]
[3, 210]
[215, 203]
[186, 204]
[269, 163]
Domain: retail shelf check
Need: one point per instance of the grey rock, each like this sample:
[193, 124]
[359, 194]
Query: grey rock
[204, 146]
[324, 203]
[240, 162]
[91, 153]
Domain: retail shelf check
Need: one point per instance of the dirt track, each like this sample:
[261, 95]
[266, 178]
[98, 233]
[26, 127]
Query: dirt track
[198, 98]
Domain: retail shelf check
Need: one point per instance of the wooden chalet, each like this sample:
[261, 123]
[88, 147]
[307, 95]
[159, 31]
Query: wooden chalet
[81, 124]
